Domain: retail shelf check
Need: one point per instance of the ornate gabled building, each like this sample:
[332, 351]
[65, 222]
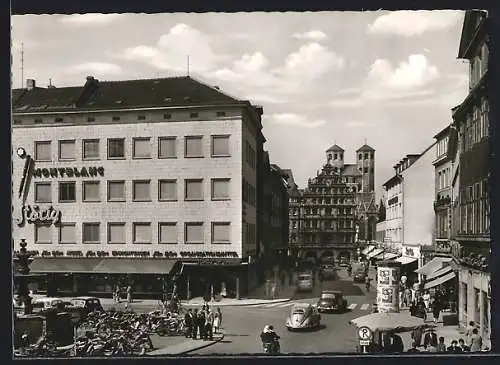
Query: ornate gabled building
[338, 203]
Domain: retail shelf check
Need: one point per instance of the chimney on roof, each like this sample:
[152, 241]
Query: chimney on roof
[30, 84]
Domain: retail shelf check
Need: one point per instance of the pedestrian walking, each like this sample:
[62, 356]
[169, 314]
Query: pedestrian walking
[116, 294]
[468, 332]
[427, 300]
[217, 320]
[129, 294]
[209, 325]
[441, 347]
[201, 323]
[188, 320]
[195, 324]
[367, 283]
[407, 297]
[476, 341]
[436, 310]
[421, 310]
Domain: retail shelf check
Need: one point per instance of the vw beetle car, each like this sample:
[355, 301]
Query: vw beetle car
[327, 271]
[331, 301]
[305, 282]
[359, 275]
[303, 316]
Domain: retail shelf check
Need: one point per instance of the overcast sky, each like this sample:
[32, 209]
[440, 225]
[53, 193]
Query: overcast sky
[322, 78]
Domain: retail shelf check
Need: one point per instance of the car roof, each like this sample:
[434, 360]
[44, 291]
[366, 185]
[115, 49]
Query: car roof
[301, 306]
[85, 298]
[331, 292]
[47, 299]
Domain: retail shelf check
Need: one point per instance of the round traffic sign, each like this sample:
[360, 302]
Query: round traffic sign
[365, 333]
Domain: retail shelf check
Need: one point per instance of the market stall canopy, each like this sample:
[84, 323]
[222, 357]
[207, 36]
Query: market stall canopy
[440, 272]
[135, 266]
[405, 260]
[374, 253]
[434, 265]
[367, 249]
[389, 322]
[439, 281]
[386, 256]
[64, 265]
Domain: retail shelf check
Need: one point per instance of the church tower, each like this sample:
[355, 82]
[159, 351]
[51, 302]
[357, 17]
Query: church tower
[365, 161]
[335, 157]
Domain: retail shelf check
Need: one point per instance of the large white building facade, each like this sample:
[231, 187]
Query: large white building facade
[136, 181]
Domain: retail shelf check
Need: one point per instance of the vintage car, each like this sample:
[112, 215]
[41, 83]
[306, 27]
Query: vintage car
[303, 316]
[305, 282]
[327, 271]
[331, 301]
[87, 304]
[343, 262]
[40, 304]
[359, 276]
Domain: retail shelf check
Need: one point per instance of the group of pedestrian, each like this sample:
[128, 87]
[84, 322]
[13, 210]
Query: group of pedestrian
[423, 304]
[117, 294]
[431, 343]
[202, 323]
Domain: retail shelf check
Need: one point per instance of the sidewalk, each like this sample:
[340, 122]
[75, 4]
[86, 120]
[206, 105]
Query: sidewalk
[189, 345]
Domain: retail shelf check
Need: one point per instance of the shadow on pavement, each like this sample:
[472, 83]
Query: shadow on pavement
[235, 335]
[316, 329]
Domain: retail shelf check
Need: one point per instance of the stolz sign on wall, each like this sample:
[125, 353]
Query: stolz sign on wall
[33, 214]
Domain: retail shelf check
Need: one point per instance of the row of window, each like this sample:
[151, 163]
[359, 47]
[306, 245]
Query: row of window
[475, 209]
[142, 148]
[394, 211]
[194, 233]
[115, 118]
[328, 225]
[443, 224]
[442, 147]
[444, 178]
[250, 154]
[476, 126]
[249, 193]
[326, 211]
[141, 190]
[478, 65]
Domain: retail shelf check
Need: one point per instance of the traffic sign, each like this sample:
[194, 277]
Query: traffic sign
[364, 333]
[364, 342]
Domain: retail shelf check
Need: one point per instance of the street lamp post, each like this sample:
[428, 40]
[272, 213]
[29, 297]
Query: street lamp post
[21, 275]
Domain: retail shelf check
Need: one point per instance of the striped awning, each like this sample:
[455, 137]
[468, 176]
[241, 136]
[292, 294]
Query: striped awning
[374, 253]
[440, 272]
[405, 260]
[367, 249]
[437, 263]
[439, 281]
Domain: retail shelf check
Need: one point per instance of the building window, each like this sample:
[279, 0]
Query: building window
[220, 189]
[42, 151]
[193, 115]
[116, 232]
[43, 233]
[43, 193]
[141, 191]
[221, 114]
[193, 189]
[220, 146]
[67, 191]
[193, 232]
[91, 191]
[167, 190]
[221, 232]
[67, 233]
[67, 150]
[116, 148]
[141, 117]
[142, 233]
[167, 147]
[141, 148]
[168, 233]
[91, 149]
[91, 233]
[167, 116]
[116, 191]
[193, 146]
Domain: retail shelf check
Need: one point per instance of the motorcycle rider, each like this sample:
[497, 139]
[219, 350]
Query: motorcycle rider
[270, 340]
[349, 269]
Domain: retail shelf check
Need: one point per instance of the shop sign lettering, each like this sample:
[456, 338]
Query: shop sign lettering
[33, 214]
[68, 172]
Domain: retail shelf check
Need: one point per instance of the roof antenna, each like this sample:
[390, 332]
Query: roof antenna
[22, 65]
[365, 140]
[50, 82]
[188, 65]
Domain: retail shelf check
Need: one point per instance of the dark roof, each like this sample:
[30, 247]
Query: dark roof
[335, 148]
[394, 178]
[365, 147]
[472, 24]
[351, 170]
[164, 92]
[442, 132]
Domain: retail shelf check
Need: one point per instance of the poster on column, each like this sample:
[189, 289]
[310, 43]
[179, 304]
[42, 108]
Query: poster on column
[387, 288]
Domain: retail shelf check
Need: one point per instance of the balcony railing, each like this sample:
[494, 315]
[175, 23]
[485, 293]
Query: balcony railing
[446, 201]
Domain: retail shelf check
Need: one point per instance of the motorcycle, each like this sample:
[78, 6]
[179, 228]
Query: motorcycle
[272, 347]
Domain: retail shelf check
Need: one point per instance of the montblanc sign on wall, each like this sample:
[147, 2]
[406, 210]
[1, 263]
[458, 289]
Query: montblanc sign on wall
[68, 172]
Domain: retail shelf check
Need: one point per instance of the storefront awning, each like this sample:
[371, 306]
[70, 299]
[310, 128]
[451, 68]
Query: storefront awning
[434, 265]
[374, 253]
[440, 272]
[405, 260]
[135, 266]
[439, 281]
[367, 249]
[386, 256]
[63, 265]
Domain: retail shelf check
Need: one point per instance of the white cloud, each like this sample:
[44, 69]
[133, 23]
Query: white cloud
[98, 68]
[173, 48]
[90, 19]
[295, 120]
[313, 35]
[413, 23]
[252, 63]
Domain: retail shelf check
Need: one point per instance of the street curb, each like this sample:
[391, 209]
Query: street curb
[201, 346]
[216, 304]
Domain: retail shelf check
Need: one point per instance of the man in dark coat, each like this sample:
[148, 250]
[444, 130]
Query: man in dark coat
[454, 348]
[201, 323]
[430, 338]
[188, 319]
[194, 327]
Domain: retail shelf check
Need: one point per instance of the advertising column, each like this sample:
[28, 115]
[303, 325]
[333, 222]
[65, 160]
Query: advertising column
[388, 276]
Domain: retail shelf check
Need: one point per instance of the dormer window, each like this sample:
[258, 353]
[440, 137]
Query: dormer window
[360, 156]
